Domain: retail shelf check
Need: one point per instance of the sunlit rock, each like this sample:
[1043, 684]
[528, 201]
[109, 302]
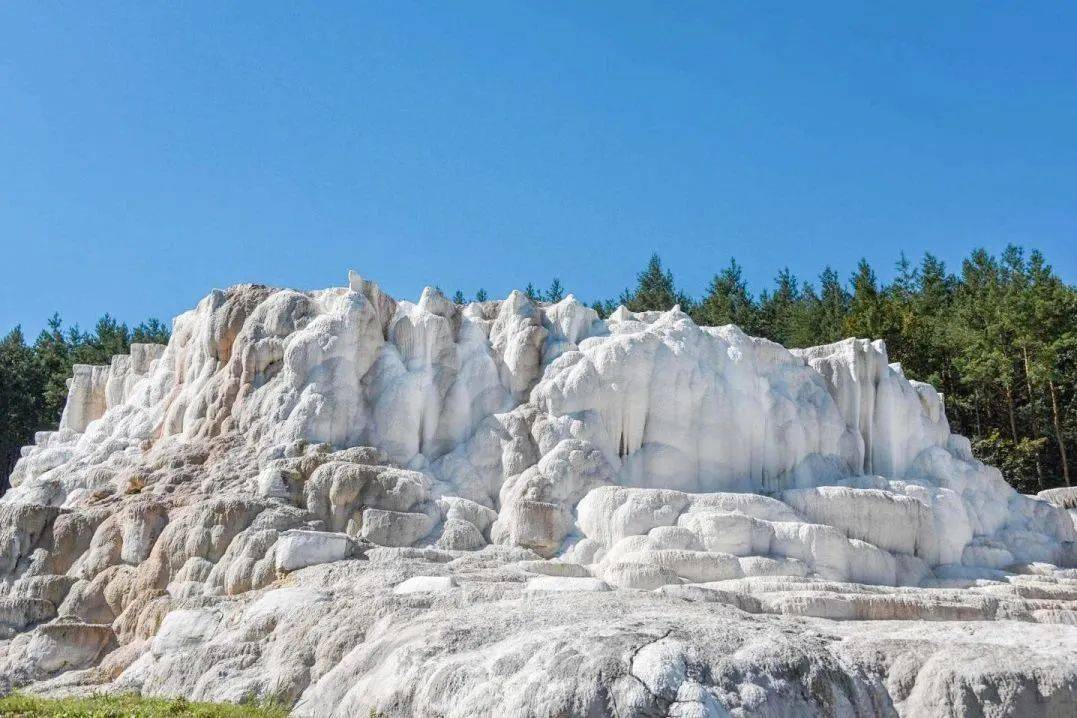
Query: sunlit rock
[348, 503]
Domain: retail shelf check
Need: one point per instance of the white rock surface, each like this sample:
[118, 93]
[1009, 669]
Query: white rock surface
[298, 549]
[425, 584]
[566, 583]
[345, 502]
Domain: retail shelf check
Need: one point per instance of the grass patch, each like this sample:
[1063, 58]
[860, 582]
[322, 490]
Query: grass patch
[130, 705]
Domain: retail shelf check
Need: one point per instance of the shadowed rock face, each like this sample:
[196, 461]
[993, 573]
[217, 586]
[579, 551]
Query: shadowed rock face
[346, 502]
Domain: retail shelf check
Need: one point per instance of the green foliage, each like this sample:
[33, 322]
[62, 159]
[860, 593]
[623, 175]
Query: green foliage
[21, 397]
[727, 301]
[655, 290]
[130, 705]
[54, 357]
[870, 314]
[782, 312]
[151, 331]
[555, 293]
[827, 315]
[1015, 460]
[604, 308]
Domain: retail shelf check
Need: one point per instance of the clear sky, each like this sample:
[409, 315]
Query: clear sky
[152, 151]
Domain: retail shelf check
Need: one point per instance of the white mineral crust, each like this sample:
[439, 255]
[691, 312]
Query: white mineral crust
[346, 502]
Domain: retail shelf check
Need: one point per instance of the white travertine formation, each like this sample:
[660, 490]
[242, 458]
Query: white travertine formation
[336, 499]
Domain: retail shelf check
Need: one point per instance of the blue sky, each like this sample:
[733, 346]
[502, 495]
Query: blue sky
[152, 151]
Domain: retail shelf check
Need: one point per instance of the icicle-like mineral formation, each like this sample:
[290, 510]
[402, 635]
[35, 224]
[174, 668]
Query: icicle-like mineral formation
[345, 502]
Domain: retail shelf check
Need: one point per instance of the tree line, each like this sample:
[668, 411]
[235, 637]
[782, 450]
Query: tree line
[33, 377]
[998, 338]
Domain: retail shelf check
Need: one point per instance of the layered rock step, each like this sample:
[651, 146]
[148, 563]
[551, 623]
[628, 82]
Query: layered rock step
[346, 502]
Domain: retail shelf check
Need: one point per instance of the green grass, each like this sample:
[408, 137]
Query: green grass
[18, 705]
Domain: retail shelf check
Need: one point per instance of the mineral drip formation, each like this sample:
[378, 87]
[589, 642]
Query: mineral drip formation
[344, 502]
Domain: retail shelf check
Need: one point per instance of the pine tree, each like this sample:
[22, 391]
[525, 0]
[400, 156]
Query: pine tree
[604, 308]
[21, 399]
[556, 292]
[54, 358]
[868, 315]
[655, 290]
[801, 328]
[778, 309]
[828, 315]
[109, 338]
[987, 360]
[929, 348]
[152, 331]
[1050, 336]
[480, 296]
[727, 301]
